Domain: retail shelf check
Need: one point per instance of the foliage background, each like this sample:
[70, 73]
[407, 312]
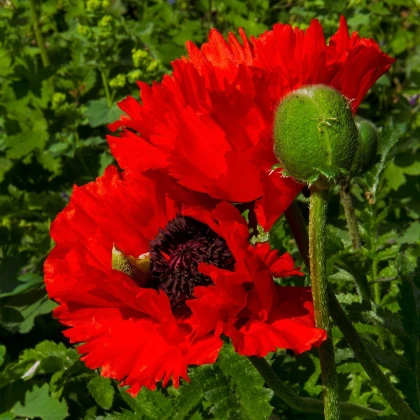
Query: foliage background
[55, 102]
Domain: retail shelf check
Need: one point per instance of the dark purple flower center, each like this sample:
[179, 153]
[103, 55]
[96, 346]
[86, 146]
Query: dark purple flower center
[176, 252]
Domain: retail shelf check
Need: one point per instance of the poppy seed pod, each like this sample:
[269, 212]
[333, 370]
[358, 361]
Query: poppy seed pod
[367, 147]
[315, 136]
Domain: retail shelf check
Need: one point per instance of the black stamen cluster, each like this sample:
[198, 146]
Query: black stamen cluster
[176, 252]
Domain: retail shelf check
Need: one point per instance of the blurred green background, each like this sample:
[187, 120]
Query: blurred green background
[63, 66]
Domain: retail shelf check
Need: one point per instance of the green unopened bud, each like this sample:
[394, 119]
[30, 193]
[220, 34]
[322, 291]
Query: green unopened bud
[136, 268]
[92, 5]
[118, 81]
[315, 136]
[140, 57]
[367, 147]
[58, 99]
[152, 66]
[134, 75]
[84, 30]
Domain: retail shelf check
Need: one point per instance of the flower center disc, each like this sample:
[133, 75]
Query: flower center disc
[176, 252]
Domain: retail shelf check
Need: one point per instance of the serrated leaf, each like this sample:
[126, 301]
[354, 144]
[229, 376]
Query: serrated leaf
[102, 391]
[124, 415]
[19, 314]
[38, 403]
[50, 162]
[191, 394]
[151, 404]
[385, 318]
[411, 235]
[350, 368]
[47, 357]
[24, 283]
[387, 140]
[394, 176]
[249, 398]
[21, 144]
[99, 113]
[313, 385]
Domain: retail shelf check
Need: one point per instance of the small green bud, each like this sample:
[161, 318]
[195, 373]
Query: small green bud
[152, 66]
[315, 136]
[367, 146]
[105, 22]
[134, 75]
[92, 5]
[84, 30]
[118, 81]
[106, 26]
[58, 99]
[140, 57]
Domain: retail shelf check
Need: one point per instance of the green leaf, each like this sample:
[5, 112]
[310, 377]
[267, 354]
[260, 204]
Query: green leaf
[49, 162]
[411, 235]
[99, 113]
[25, 283]
[151, 404]
[23, 143]
[5, 165]
[47, 357]
[38, 403]
[19, 314]
[388, 138]
[395, 176]
[105, 159]
[191, 394]
[2, 354]
[313, 386]
[251, 395]
[102, 391]
[124, 415]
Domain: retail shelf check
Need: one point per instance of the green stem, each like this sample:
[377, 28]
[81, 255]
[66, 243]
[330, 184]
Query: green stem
[107, 93]
[368, 362]
[347, 202]
[375, 287]
[319, 282]
[344, 323]
[297, 402]
[38, 34]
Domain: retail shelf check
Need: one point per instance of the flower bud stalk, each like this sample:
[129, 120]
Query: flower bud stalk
[317, 258]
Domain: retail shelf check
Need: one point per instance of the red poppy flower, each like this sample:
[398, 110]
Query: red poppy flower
[209, 123]
[147, 285]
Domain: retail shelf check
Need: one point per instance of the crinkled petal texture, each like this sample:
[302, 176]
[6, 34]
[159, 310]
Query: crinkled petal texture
[130, 330]
[209, 124]
[127, 330]
[246, 304]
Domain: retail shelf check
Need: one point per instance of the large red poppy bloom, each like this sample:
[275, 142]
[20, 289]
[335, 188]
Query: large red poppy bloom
[209, 123]
[147, 285]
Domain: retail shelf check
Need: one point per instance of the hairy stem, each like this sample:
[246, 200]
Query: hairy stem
[38, 34]
[297, 402]
[319, 282]
[107, 93]
[354, 340]
[347, 202]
